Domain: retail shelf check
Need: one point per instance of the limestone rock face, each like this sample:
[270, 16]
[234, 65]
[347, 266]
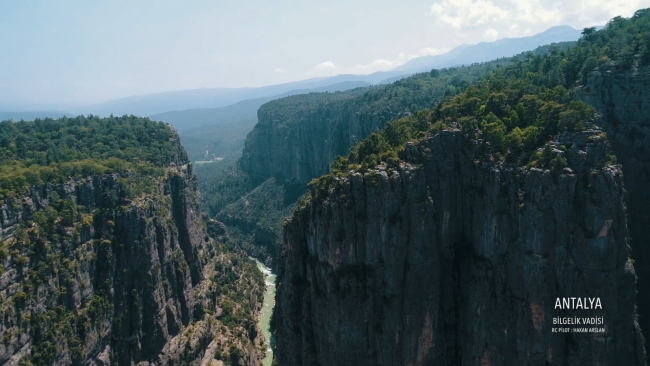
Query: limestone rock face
[453, 260]
[301, 147]
[127, 284]
[623, 99]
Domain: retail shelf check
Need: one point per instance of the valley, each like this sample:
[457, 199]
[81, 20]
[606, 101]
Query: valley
[297, 140]
[267, 310]
[423, 215]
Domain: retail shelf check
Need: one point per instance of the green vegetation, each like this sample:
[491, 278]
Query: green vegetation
[622, 45]
[37, 250]
[386, 101]
[224, 189]
[233, 279]
[260, 208]
[382, 102]
[207, 172]
[516, 109]
[512, 115]
[224, 140]
[54, 150]
[75, 279]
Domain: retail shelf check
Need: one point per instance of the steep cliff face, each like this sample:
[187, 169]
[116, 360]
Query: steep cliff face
[303, 146]
[451, 259]
[624, 100]
[92, 274]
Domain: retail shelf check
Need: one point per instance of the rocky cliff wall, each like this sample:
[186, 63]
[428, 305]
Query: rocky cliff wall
[624, 100]
[305, 148]
[451, 259]
[93, 275]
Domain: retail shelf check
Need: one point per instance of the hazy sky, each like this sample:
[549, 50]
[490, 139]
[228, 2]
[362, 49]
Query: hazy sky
[69, 52]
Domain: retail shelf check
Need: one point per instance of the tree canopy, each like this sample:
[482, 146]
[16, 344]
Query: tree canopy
[48, 150]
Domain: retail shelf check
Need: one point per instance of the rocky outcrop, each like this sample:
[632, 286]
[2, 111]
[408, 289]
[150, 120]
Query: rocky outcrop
[93, 274]
[623, 98]
[453, 260]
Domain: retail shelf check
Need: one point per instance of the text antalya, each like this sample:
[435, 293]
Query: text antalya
[584, 303]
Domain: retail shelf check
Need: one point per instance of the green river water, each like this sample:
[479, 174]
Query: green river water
[267, 309]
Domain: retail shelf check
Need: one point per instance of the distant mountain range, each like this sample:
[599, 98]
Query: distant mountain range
[161, 105]
[243, 110]
[30, 116]
[486, 51]
[149, 104]
[461, 55]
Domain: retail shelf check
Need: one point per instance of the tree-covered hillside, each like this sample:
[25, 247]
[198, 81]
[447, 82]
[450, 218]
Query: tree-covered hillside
[55, 150]
[514, 104]
[516, 109]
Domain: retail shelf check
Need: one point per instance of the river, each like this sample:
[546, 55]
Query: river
[267, 309]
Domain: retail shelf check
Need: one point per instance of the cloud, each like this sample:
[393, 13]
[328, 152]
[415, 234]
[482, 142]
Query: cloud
[381, 64]
[431, 51]
[280, 71]
[491, 34]
[535, 11]
[489, 19]
[601, 11]
[400, 59]
[462, 13]
[376, 65]
[514, 28]
[327, 65]
[325, 68]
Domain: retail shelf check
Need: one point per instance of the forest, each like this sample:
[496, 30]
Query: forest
[48, 150]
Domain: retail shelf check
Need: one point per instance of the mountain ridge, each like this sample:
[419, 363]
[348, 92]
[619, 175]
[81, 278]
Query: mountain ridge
[485, 51]
[241, 110]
